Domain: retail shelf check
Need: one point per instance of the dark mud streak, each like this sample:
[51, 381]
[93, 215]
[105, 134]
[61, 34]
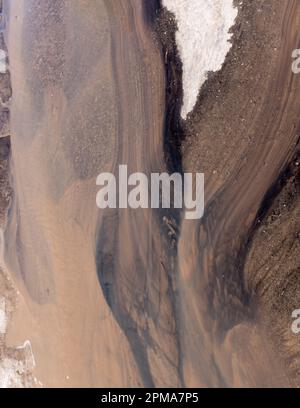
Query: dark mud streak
[173, 132]
[106, 253]
[226, 288]
[226, 314]
[234, 302]
[5, 10]
[107, 243]
[163, 22]
[151, 11]
[165, 28]
[5, 186]
[218, 375]
[291, 171]
[6, 192]
[227, 281]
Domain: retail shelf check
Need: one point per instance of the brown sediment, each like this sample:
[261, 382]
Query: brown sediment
[119, 298]
[272, 268]
[102, 280]
[5, 148]
[166, 28]
[242, 134]
[16, 362]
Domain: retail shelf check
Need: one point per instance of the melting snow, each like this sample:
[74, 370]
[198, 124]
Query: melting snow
[3, 64]
[3, 318]
[202, 41]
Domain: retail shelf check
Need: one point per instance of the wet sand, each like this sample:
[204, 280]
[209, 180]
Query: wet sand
[117, 298]
[243, 134]
[89, 86]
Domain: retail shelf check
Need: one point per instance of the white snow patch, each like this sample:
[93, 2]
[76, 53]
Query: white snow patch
[202, 40]
[16, 373]
[3, 63]
[3, 317]
[11, 373]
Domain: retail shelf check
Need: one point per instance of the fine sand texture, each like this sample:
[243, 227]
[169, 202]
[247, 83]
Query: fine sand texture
[123, 297]
[95, 293]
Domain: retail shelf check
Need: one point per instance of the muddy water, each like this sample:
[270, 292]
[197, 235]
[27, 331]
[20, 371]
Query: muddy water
[96, 297]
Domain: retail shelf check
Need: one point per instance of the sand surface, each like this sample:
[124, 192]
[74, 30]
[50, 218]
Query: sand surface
[140, 297]
[89, 84]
